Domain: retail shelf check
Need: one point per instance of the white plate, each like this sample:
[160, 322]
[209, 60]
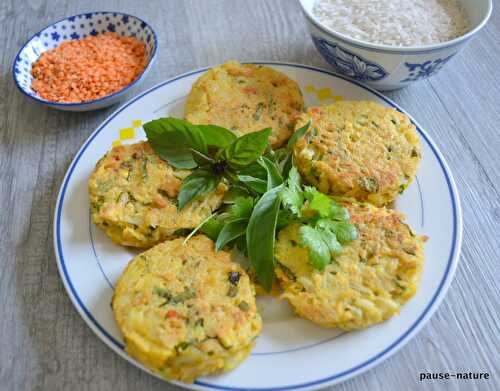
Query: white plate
[291, 353]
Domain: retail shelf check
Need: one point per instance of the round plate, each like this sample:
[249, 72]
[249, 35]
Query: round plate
[291, 353]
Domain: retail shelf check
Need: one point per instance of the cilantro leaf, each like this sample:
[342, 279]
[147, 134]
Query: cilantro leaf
[330, 239]
[338, 212]
[292, 195]
[242, 207]
[344, 231]
[318, 202]
[319, 251]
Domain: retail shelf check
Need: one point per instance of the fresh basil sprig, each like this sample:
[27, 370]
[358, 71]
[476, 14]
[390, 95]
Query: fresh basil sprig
[174, 139]
[215, 152]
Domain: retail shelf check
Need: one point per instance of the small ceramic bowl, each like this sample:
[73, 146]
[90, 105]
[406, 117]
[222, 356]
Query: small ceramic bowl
[78, 27]
[385, 67]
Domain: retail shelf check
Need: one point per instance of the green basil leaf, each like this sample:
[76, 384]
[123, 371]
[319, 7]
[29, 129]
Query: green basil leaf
[287, 166]
[247, 148]
[217, 135]
[232, 230]
[201, 181]
[273, 173]
[261, 231]
[172, 139]
[319, 252]
[255, 170]
[234, 192]
[297, 135]
[212, 228]
[256, 184]
[201, 158]
[277, 155]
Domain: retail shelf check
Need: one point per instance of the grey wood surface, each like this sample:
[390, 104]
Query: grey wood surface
[45, 345]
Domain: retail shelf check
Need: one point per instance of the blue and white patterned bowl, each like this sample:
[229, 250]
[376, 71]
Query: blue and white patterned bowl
[385, 67]
[78, 27]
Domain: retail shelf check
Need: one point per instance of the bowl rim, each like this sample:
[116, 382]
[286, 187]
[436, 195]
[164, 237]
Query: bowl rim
[397, 49]
[146, 69]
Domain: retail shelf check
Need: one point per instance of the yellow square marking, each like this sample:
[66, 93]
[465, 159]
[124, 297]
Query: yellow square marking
[136, 123]
[127, 133]
[324, 93]
[116, 143]
[310, 88]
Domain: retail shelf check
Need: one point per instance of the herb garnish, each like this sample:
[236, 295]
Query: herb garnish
[215, 151]
[265, 193]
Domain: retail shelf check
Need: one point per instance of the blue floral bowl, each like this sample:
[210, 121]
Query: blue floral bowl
[78, 27]
[386, 67]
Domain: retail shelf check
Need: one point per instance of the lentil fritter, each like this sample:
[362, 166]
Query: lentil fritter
[133, 197]
[366, 283]
[246, 98]
[186, 311]
[358, 149]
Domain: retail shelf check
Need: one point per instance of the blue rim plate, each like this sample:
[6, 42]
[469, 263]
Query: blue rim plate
[291, 353]
[77, 27]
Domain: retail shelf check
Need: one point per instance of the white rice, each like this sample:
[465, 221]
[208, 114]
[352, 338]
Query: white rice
[394, 22]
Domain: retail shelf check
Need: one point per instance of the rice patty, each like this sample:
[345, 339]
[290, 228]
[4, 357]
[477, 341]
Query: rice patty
[133, 197]
[186, 311]
[358, 149]
[366, 284]
[246, 98]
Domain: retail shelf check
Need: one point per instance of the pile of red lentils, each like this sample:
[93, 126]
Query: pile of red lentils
[89, 68]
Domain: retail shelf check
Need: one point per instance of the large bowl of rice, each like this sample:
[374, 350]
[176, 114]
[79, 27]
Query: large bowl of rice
[392, 43]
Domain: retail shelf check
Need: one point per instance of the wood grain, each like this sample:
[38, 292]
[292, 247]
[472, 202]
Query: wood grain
[44, 343]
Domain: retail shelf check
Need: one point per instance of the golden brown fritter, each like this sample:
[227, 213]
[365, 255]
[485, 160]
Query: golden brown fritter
[358, 149]
[186, 311]
[133, 197]
[246, 98]
[366, 284]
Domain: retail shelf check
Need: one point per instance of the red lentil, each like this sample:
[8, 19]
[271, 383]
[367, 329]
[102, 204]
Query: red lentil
[89, 68]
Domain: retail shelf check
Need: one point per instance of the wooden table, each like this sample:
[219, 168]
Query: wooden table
[45, 345]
